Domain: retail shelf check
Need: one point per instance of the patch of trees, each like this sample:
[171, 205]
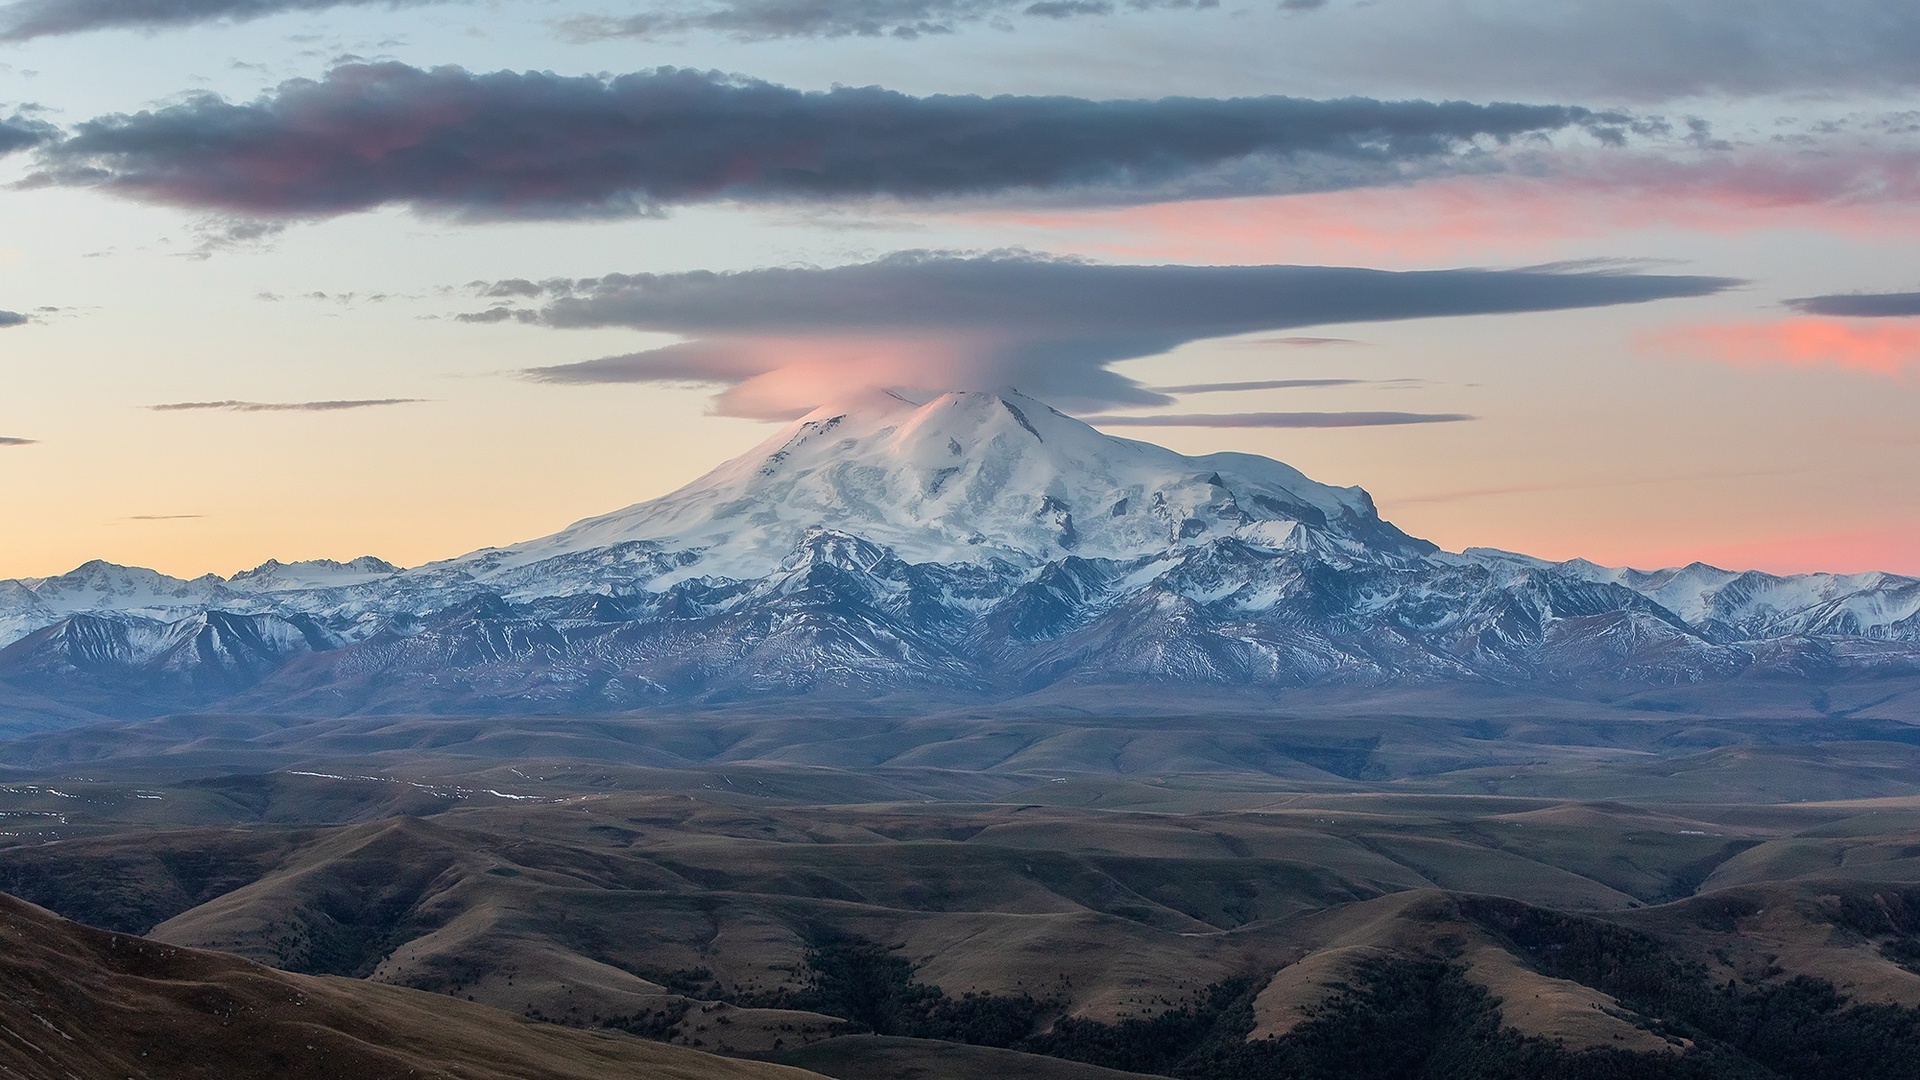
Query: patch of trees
[657, 1024]
[326, 938]
[874, 990]
[1893, 914]
[132, 890]
[1177, 1042]
[1405, 1018]
[1401, 1019]
[1802, 1028]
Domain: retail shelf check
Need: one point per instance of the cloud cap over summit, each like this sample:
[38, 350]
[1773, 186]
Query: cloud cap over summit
[1052, 327]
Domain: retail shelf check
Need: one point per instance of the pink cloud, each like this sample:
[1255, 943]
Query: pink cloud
[778, 377]
[1510, 215]
[1887, 349]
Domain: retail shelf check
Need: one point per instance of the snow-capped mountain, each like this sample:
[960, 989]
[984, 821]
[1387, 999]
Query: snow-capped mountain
[1747, 604]
[974, 478]
[978, 545]
[29, 603]
[129, 593]
[274, 576]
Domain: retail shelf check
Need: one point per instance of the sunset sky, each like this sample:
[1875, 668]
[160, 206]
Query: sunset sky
[284, 279]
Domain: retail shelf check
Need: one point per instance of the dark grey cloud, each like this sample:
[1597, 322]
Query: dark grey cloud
[12, 318]
[497, 315]
[6, 440]
[762, 20]
[282, 406]
[746, 20]
[1033, 294]
[1305, 342]
[219, 233]
[538, 145]
[18, 132]
[509, 287]
[1050, 327]
[27, 19]
[1612, 50]
[1279, 419]
[1860, 305]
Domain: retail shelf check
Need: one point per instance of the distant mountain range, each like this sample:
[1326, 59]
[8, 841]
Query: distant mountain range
[977, 547]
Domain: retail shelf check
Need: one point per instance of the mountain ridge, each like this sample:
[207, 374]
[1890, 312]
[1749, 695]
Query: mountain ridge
[978, 544]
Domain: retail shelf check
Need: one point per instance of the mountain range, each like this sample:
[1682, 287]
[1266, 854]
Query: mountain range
[974, 548]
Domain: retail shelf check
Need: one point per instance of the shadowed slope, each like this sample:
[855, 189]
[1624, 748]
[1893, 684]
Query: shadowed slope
[82, 1003]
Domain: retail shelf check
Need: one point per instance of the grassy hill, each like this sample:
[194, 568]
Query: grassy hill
[932, 913]
[82, 1003]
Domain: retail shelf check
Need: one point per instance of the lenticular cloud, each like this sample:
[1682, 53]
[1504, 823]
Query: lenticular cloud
[539, 145]
[1860, 305]
[777, 339]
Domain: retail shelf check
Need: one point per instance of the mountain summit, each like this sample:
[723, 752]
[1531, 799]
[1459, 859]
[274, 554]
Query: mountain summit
[978, 547]
[978, 478]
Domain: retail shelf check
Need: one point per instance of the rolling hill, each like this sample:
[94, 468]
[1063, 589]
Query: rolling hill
[80, 1002]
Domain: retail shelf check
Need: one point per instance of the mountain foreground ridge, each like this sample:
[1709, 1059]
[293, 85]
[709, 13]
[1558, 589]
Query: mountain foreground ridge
[80, 1002]
[978, 546]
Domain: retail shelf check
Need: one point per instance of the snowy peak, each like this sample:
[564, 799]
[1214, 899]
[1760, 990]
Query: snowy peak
[1747, 604]
[977, 478]
[100, 586]
[276, 576]
[132, 592]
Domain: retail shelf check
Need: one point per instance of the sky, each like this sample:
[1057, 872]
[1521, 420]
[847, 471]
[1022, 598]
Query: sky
[1629, 281]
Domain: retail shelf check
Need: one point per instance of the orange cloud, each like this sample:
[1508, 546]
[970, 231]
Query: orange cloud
[1874, 348]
